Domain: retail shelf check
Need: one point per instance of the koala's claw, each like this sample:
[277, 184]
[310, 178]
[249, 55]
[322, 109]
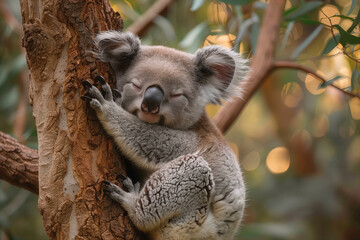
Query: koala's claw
[116, 93]
[86, 84]
[110, 187]
[100, 79]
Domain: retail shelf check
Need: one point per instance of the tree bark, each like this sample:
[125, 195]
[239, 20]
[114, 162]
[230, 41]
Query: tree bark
[23, 161]
[74, 153]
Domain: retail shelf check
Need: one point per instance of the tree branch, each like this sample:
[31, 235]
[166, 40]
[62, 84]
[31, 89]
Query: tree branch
[261, 64]
[293, 65]
[18, 164]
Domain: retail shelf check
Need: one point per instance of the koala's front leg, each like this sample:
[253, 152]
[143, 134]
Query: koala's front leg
[178, 194]
[148, 145]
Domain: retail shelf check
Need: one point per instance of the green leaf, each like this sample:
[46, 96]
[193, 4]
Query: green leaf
[287, 34]
[195, 37]
[355, 80]
[304, 9]
[331, 44]
[327, 83]
[343, 17]
[355, 23]
[346, 38]
[307, 42]
[353, 4]
[236, 2]
[196, 4]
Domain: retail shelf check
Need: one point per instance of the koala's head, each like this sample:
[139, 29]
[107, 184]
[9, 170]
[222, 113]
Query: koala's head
[165, 86]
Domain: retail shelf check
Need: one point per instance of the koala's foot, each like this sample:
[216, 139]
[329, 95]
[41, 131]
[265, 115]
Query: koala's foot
[129, 185]
[126, 199]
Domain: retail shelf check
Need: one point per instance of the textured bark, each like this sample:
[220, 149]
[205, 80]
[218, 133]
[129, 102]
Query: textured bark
[74, 153]
[18, 164]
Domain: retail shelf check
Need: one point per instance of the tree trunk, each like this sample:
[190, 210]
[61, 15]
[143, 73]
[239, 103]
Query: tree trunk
[74, 153]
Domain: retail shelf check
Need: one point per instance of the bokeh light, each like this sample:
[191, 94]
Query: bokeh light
[330, 11]
[251, 161]
[291, 94]
[278, 160]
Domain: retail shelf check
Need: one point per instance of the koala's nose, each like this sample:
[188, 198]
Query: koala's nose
[153, 97]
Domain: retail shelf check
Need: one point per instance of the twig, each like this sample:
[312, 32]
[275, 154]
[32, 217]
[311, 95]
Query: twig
[293, 65]
[140, 26]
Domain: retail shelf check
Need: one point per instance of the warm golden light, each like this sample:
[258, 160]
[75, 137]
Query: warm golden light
[217, 13]
[330, 11]
[354, 104]
[312, 85]
[251, 161]
[321, 126]
[278, 160]
[225, 40]
[291, 94]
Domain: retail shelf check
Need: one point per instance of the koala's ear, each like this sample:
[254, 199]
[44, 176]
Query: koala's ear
[117, 47]
[219, 72]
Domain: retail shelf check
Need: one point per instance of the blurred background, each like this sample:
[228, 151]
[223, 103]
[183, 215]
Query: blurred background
[298, 141]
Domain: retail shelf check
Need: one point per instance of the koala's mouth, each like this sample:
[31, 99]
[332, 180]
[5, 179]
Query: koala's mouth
[148, 117]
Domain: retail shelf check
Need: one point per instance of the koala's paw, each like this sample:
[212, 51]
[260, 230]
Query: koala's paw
[98, 100]
[126, 199]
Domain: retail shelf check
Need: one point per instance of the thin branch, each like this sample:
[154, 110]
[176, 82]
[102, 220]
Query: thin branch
[140, 26]
[18, 164]
[261, 64]
[293, 65]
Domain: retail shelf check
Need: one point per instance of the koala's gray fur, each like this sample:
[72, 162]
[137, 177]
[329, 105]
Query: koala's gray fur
[195, 188]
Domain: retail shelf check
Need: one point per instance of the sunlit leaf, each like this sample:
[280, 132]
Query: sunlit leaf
[196, 4]
[304, 9]
[307, 42]
[327, 83]
[331, 44]
[355, 80]
[236, 2]
[353, 4]
[287, 34]
[346, 38]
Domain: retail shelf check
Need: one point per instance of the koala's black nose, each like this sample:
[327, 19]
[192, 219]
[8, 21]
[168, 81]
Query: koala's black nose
[153, 97]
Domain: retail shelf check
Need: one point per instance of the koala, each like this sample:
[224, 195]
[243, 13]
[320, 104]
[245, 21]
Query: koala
[194, 187]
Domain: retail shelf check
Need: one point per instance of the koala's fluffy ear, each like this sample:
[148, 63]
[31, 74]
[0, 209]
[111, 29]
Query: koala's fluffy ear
[117, 47]
[219, 71]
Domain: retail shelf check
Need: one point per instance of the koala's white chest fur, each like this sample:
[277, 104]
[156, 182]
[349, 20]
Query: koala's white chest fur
[156, 117]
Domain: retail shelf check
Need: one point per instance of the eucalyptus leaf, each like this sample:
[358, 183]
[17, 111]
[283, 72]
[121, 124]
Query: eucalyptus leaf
[353, 4]
[287, 34]
[307, 42]
[304, 9]
[355, 80]
[327, 83]
[236, 2]
[195, 37]
[345, 37]
[331, 44]
[196, 4]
